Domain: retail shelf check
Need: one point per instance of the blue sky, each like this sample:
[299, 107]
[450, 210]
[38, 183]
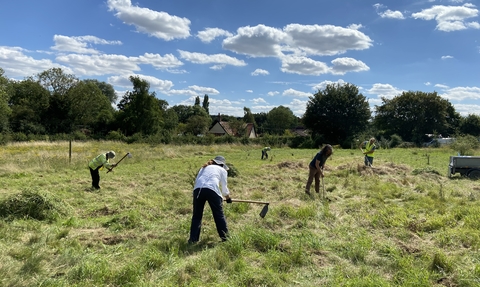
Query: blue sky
[255, 54]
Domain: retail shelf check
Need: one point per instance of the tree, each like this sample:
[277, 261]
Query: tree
[57, 83]
[470, 125]
[411, 115]
[197, 101]
[338, 113]
[5, 110]
[206, 104]
[89, 106]
[199, 122]
[29, 102]
[107, 89]
[140, 110]
[280, 119]
[248, 116]
[183, 112]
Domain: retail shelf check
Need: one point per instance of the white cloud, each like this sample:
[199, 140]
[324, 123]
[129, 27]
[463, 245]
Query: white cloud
[15, 63]
[322, 85]
[259, 72]
[427, 83]
[450, 18]
[257, 41]
[326, 40]
[273, 93]
[157, 24]
[466, 110]
[258, 101]
[295, 93]
[209, 34]
[384, 90]
[79, 44]
[446, 57]
[303, 66]
[155, 83]
[441, 86]
[343, 65]
[462, 93]
[391, 14]
[298, 107]
[249, 91]
[200, 58]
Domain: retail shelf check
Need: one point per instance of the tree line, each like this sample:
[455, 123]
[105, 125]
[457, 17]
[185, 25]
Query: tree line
[55, 103]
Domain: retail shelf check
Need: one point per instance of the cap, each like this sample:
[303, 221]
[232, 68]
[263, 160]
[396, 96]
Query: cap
[111, 154]
[221, 161]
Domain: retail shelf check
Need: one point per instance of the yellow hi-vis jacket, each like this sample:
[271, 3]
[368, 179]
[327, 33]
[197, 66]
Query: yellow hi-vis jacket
[99, 161]
[369, 147]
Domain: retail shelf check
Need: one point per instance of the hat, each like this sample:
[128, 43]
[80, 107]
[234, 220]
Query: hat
[221, 161]
[111, 154]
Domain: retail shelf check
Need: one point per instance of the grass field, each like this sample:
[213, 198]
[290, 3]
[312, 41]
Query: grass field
[401, 223]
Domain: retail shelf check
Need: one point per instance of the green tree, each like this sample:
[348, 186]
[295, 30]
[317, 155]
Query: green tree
[140, 111]
[107, 89]
[5, 110]
[58, 115]
[183, 112]
[206, 104]
[338, 113]
[280, 119]
[197, 101]
[89, 106]
[199, 121]
[470, 125]
[411, 115]
[248, 116]
[29, 102]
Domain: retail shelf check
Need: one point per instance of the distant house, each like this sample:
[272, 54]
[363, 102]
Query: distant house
[221, 128]
[300, 131]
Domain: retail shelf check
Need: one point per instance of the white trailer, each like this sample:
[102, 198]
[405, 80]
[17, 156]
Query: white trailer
[465, 165]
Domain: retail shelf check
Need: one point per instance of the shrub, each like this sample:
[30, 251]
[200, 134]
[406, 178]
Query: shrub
[465, 144]
[116, 136]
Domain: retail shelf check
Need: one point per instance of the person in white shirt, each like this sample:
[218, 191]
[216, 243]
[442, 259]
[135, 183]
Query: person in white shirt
[210, 185]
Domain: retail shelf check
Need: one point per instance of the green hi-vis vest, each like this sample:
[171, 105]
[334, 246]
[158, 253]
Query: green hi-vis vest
[368, 147]
[100, 160]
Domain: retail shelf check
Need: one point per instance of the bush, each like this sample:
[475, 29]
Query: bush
[465, 145]
[116, 136]
[395, 141]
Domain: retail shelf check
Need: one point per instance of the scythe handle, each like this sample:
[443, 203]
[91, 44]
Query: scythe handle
[250, 201]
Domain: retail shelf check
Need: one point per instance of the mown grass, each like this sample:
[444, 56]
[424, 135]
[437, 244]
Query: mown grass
[400, 223]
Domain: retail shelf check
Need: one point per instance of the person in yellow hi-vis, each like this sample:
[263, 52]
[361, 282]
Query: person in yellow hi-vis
[100, 161]
[369, 150]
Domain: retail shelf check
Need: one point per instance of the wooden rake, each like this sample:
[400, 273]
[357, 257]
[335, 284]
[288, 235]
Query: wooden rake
[264, 209]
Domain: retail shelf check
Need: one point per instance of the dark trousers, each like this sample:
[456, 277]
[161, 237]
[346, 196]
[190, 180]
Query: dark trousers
[200, 196]
[313, 174]
[95, 177]
[264, 154]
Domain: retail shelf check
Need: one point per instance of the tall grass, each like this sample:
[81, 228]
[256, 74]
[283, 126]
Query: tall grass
[400, 223]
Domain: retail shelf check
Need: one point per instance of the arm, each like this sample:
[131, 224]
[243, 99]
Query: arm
[319, 167]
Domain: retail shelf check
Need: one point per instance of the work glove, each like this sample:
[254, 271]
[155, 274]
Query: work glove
[228, 200]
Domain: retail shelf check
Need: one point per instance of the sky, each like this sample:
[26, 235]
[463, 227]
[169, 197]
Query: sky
[256, 54]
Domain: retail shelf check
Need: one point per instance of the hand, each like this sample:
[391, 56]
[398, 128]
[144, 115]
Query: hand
[228, 200]
[114, 165]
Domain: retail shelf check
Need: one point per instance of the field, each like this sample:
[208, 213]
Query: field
[401, 223]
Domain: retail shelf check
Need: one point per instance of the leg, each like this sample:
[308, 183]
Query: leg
[266, 155]
[370, 160]
[263, 154]
[95, 178]
[311, 175]
[366, 160]
[196, 225]
[215, 203]
[317, 182]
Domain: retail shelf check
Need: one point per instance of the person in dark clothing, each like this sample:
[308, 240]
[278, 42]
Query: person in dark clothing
[316, 168]
[211, 186]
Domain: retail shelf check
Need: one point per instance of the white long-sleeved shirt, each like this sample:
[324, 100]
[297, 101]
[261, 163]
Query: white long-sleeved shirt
[213, 177]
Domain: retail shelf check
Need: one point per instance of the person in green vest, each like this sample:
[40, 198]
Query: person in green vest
[264, 152]
[369, 150]
[100, 161]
